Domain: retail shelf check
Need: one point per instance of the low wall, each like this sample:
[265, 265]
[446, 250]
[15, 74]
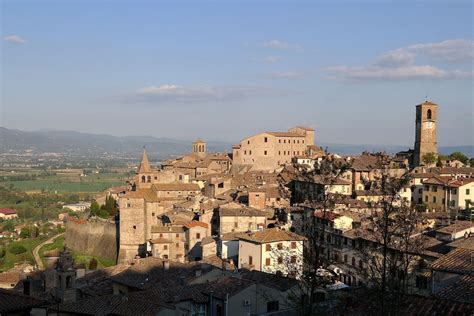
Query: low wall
[94, 237]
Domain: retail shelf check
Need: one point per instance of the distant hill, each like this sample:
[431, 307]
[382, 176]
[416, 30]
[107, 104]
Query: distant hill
[98, 145]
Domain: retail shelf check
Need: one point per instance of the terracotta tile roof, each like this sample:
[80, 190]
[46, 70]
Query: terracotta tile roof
[146, 194]
[271, 235]
[461, 290]
[285, 134]
[456, 261]
[327, 215]
[243, 211]
[306, 128]
[207, 240]
[367, 162]
[465, 243]
[176, 186]
[7, 211]
[461, 182]
[197, 223]
[268, 279]
[11, 302]
[456, 227]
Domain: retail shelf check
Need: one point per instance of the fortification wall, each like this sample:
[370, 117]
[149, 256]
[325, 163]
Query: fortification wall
[94, 237]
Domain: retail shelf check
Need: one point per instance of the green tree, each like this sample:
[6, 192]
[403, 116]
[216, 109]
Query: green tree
[94, 208]
[460, 156]
[430, 158]
[17, 249]
[471, 162]
[25, 233]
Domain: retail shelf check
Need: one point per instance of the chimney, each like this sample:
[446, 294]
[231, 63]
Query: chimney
[166, 265]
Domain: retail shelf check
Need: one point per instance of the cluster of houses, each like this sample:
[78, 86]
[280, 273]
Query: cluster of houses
[227, 233]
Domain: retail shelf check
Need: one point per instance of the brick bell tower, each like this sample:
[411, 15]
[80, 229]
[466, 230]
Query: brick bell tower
[426, 131]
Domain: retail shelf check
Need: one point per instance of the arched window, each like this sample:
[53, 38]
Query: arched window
[143, 179]
[428, 114]
[353, 261]
[149, 179]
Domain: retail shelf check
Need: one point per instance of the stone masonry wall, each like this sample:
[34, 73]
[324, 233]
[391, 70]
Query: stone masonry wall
[94, 237]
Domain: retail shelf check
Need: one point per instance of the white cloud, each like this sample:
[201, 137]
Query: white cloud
[176, 93]
[399, 64]
[281, 45]
[394, 73]
[15, 39]
[394, 58]
[286, 75]
[272, 59]
[456, 50]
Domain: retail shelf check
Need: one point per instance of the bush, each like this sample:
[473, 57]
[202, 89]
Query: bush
[17, 249]
[93, 264]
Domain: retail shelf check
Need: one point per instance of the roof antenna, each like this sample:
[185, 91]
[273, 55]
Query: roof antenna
[426, 97]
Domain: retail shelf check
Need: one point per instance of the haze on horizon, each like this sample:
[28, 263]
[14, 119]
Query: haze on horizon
[223, 71]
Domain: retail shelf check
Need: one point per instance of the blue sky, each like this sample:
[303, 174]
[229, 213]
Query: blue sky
[353, 70]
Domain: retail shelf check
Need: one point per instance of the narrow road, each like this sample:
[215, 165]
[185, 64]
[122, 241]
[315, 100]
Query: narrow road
[39, 263]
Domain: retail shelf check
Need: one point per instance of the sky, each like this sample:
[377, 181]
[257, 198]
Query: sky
[224, 70]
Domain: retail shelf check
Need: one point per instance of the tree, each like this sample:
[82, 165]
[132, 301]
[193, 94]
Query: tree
[460, 156]
[391, 246]
[94, 208]
[325, 176]
[430, 158]
[471, 162]
[17, 249]
[25, 233]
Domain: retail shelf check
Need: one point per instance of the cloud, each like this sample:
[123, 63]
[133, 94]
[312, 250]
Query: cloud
[281, 45]
[394, 58]
[394, 73]
[291, 75]
[399, 64]
[15, 39]
[169, 93]
[272, 59]
[456, 50]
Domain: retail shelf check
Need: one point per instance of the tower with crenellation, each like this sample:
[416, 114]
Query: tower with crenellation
[426, 131]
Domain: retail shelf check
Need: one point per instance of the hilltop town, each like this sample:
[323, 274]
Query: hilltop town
[278, 226]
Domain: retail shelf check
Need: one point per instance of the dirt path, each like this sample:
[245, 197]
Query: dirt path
[39, 263]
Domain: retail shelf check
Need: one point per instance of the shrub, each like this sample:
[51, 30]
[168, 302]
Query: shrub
[17, 249]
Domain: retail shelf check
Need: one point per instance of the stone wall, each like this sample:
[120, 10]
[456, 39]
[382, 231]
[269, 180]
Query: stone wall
[94, 237]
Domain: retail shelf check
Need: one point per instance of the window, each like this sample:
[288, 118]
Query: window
[128, 205]
[434, 188]
[272, 306]
[265, 152]
[177, 235]
[345, 258]
[454, 191]
[280, 246]
[161, 235]
[236, 224]
[421, 282]
[426, 198]
[199, 309]
[165, 247]
[152, 214]
[198, 235]
[302, 141]
[134, 227]
[245, 152]
[353, 261]
[267, 261]
[266, 139]
[279, 153]
[248, 142]
[279, 141]
[468, 191]
[250, 260]
[293, 259]
[434, 199]
[149, 179]
[220, 185]
[268, 247]
[420, 191]
[361, 264]
[250, 152]
[280, 260]
[293, 245]
[428, 114]
[284, 141]
[143, 178]
[427, 187]
[177, 245]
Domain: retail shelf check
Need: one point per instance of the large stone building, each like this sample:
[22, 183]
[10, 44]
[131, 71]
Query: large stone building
[269, 150]
[425, 136]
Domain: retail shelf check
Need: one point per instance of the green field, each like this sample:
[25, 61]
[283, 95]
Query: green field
[64, 182]
[78, 258]
[29, 244]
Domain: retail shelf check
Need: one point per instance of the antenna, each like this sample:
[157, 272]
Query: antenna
[426, 97]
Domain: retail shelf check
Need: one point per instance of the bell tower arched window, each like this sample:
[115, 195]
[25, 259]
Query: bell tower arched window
[143, 179]
[149, 179]
[428, 114]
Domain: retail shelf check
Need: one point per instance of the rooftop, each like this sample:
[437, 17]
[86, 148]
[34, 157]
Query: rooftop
[456, 261]
[271, 235]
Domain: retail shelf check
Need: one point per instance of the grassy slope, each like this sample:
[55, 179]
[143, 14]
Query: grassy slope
[29, 244]
[78, 257]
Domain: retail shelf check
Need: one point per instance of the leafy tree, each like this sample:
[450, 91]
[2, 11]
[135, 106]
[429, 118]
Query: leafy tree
[8, 226]
[103, 214]
[430, 158]
[2, 252]
[471, 162]
[25, 232]
[17, 249]
[94, 207]
[460, 156]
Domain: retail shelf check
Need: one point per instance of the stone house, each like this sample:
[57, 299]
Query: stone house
[228, 220]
